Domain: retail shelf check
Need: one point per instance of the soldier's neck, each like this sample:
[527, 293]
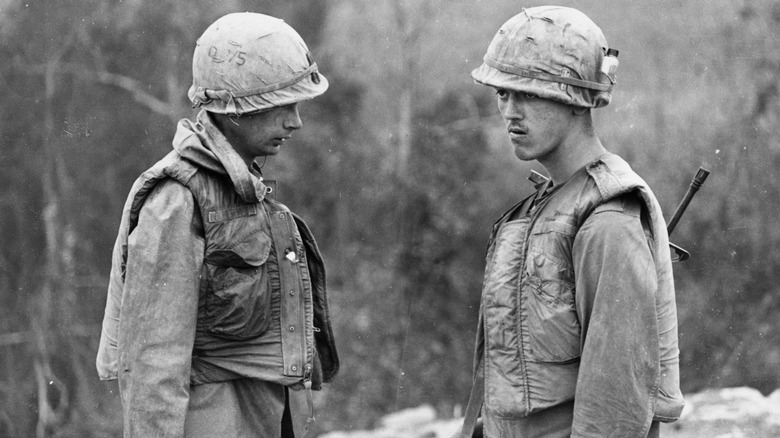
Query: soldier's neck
[571, 157]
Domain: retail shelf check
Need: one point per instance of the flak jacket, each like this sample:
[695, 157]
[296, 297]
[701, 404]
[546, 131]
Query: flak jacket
[255, 302]
[578, 304]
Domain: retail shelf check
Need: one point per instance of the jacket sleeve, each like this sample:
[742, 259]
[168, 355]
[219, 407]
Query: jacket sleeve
[159, 313]
[615, 299]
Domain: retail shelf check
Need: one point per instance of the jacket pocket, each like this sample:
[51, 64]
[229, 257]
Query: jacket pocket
[238, 299]
[553, 326]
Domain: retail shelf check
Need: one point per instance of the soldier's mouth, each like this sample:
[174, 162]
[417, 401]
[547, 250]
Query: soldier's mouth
[517, 130]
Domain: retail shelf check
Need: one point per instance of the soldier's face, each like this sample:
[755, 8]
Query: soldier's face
[261, 134]
[536, 127]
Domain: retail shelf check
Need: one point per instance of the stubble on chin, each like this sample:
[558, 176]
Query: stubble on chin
[522, 152]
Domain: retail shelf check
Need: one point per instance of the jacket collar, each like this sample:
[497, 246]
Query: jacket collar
[202, 143]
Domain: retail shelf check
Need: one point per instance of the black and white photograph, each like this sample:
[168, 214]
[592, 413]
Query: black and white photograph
[389, 219]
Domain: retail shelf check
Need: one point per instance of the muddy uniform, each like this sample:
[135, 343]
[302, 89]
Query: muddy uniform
[578, 323]
[212, 281]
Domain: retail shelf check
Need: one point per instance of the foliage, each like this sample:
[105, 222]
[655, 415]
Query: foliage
[400, 169]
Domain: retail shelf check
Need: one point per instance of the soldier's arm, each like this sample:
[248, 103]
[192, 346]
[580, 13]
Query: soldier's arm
[615, 299]
[159, 313]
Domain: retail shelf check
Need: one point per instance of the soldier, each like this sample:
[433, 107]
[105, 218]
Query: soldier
[577, 331]
[217, 321]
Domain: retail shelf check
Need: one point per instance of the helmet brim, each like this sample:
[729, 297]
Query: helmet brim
[305, 89]
[563, 93]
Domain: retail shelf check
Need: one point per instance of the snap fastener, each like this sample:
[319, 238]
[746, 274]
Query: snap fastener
[292, 328]
[294, 368]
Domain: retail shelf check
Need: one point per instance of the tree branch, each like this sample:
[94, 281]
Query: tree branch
[134, 87]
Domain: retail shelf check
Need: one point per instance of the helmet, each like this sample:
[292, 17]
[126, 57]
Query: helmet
[550, 51]
[248, 62]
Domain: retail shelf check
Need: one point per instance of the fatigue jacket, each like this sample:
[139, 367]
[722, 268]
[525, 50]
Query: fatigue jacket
[229, 285]
[578, 304]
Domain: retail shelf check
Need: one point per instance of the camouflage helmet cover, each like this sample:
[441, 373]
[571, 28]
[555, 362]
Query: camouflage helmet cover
[553, 52]
[248, 62]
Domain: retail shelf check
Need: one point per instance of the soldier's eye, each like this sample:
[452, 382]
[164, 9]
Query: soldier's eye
[501, 93]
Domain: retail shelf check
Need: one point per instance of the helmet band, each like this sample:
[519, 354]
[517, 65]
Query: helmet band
[205, 95]
[506, 68]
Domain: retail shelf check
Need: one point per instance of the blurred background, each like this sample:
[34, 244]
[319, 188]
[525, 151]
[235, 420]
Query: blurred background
[400, 170]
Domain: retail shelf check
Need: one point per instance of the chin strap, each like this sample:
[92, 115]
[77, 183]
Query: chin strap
[475, 403]
[309, 400]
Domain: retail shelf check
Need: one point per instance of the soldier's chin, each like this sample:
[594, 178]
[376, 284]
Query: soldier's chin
[524, 153]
